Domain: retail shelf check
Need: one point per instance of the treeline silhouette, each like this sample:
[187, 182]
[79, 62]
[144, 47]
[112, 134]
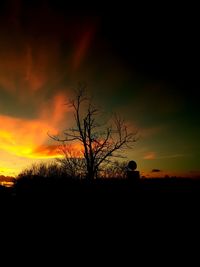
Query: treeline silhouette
[54, 181]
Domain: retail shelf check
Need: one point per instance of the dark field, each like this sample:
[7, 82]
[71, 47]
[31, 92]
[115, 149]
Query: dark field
[104, 209]
[101, 191]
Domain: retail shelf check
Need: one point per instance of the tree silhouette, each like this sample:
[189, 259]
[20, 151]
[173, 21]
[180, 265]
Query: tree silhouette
[114, 170]
[99, 141]
[73, 163]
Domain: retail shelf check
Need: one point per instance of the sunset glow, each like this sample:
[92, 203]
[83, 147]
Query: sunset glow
[45, 53]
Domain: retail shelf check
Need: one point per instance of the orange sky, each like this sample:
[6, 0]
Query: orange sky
[25, 139]
[45, 53]
[32, 84]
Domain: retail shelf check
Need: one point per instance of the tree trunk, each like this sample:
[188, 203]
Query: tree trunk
[90, 174]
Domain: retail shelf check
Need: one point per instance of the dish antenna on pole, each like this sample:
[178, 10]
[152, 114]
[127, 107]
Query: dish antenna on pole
[130, 171]
[132, 165]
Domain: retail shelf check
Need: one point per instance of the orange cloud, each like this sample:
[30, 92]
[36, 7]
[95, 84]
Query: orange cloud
[34, 78]
[22, 137]
[28, 66]
[83, 46]
[47, 151]
[54, 111]
[52, 151]
[150, 155]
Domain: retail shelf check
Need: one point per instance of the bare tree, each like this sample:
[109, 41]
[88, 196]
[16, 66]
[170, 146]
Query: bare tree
[99, 141]
[114, 170]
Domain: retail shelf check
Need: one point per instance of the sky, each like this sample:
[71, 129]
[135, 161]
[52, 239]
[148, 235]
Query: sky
[142, 65]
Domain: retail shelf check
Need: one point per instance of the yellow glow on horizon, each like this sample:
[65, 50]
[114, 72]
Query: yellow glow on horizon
[6, 171]
[24, 140]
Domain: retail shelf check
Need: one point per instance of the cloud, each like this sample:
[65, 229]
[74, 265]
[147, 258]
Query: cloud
[30, 68]
[44, 52]
[20, 136]
[83, 46]
[156, 170]
[46, 151]
[151, 131]
[24, 137]
[173, 156]
[150, 156]
[54, 110]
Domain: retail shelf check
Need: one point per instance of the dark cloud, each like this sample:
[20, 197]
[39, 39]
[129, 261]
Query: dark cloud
[156, 170]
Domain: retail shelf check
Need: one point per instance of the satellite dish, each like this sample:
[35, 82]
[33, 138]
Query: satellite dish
[132, 165]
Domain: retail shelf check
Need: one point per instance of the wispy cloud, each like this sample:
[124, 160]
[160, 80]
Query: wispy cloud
[83, 45]
[150, 156]
[173, 156]
[154, 155]
[151, 131]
